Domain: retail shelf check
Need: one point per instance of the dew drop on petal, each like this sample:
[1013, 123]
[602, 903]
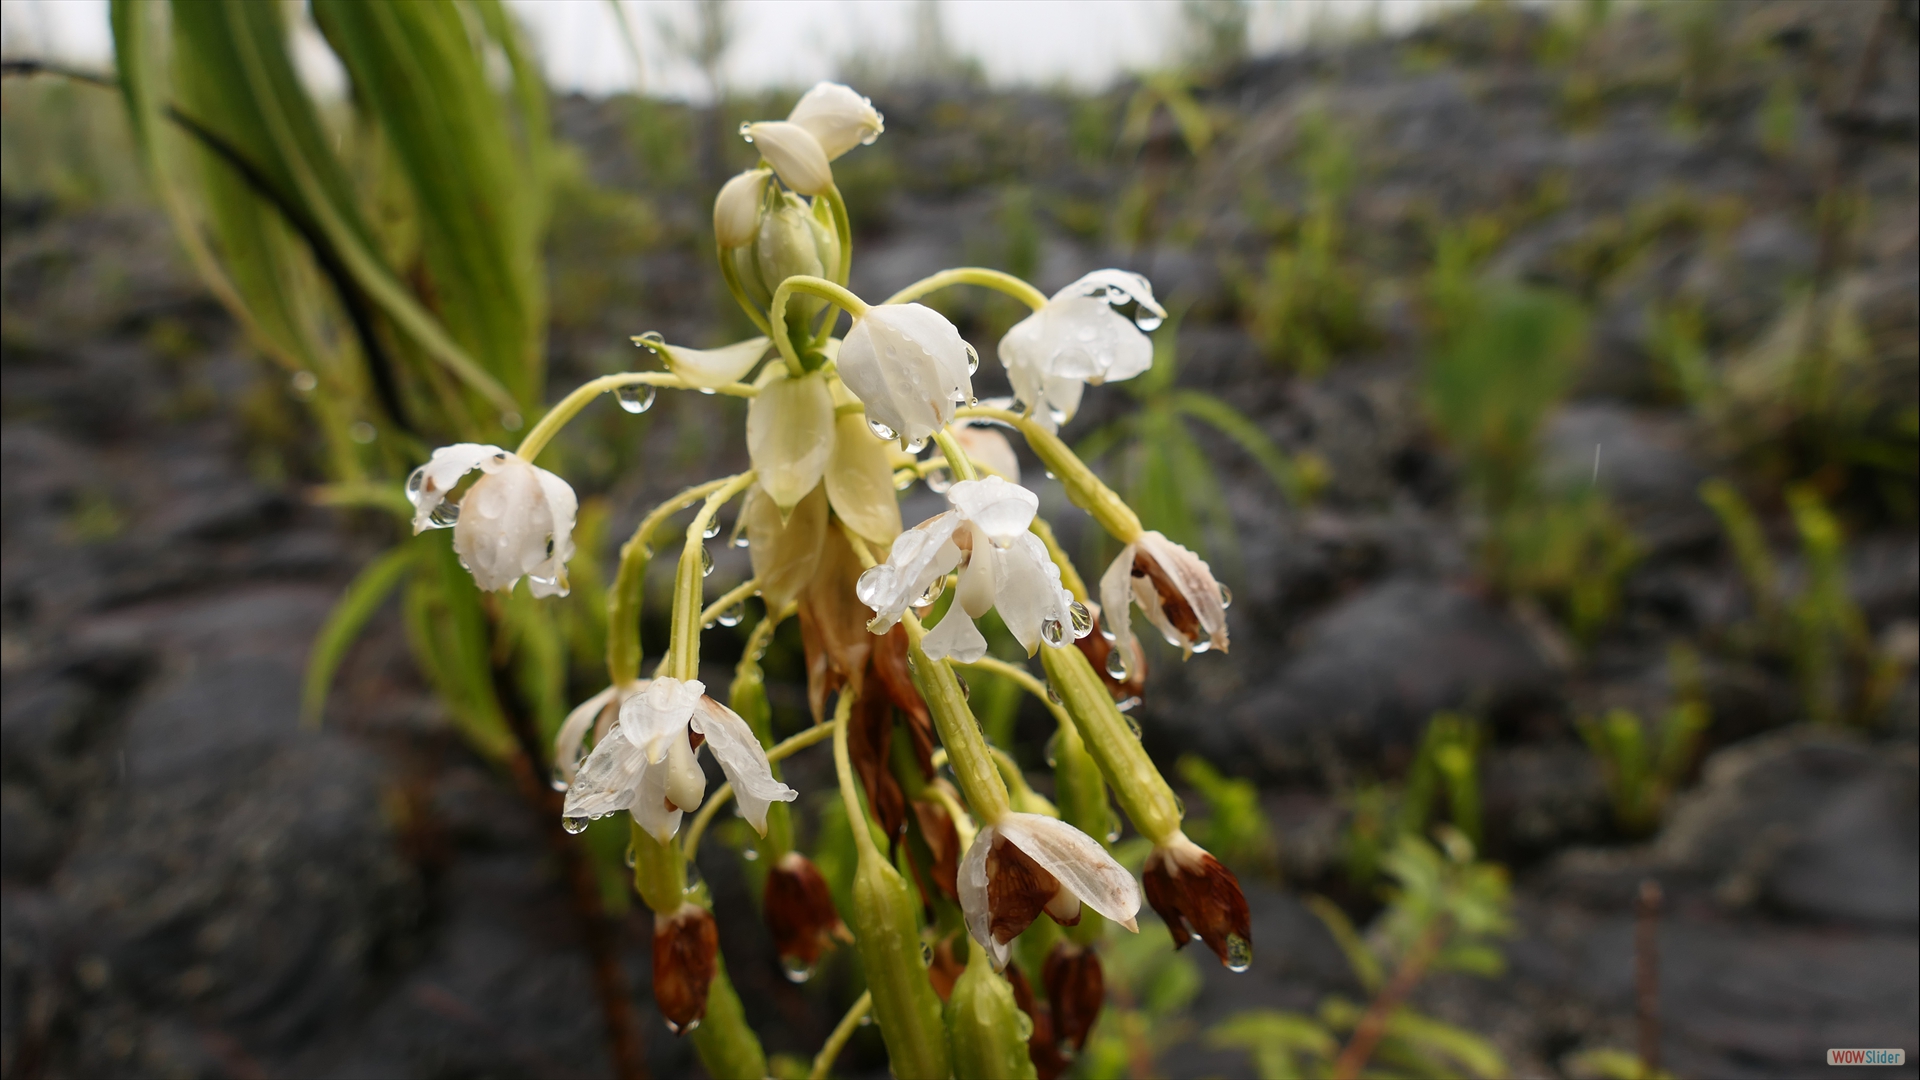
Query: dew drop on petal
[939, 481]
[746, 130]
[734, 615]
[1226, 598]
[416, 481]
[881, 431]
[795, 969]
[915, 446]
[1053, 632]
[635, 399]
[933, 592]
[741, 541]
[874, 584]
[444, 516]
[1082, 619]
[973, 358]
[574, 825]
[1239, 953]
[1147, 321]
[1201, 646]
[1117, 665]
[650, 339]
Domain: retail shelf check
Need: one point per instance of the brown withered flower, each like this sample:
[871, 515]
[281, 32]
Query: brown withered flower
[833, 625]
[1043, 1046]
[1076, 987]
[1199, 898]
[800, 915]
[943, 838]
[685, 945]
[1173, 587]
[1024, 864]
[1122, 668]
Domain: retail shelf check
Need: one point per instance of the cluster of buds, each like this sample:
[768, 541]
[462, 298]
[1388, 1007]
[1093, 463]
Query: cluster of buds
[835, 425]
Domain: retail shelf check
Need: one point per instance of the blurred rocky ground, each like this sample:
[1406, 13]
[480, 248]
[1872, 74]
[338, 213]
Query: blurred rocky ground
[193, 884]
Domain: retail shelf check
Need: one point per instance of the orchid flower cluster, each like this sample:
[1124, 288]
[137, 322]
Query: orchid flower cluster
[961, 856]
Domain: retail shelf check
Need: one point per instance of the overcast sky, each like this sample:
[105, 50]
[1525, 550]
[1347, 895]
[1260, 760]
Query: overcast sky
[796, 42]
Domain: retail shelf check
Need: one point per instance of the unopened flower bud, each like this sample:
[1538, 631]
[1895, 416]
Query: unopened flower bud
[886, 930]
[790, 433]
[837, 116]
[800, 912]
[988, 1029]
[909, 366]
[1076, 988]
[793, 243]
[685, 945]
[515, 521]
[736, 210]
[794, 153]
[988, 447]
[1199, 898]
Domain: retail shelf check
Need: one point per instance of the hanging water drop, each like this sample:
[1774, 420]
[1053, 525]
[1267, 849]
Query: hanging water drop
[635, 399]
[795, 969]
[751, 854]
[416, 480]
[559, 780]
[973, 358]
[926, 953]
[915, 446]
[1082, 619]
[1053, 632]
[1053, 695]
[712, 530]
[933, 592]
[734, 615]
[741, 541]
[444, 516]
[873, 585]
[1239, 953]
[746, 130]
[652, 339]
[678, 1030]
[939, 481]
[630, 857]
[1117, 665]
[574, 825]
[1201, 646]
[1128, 705]
[706, 562]
[1047, 752]
[1147, 321]
[903, 479]
[1226, 598]
[881, 431]
[1133, 726]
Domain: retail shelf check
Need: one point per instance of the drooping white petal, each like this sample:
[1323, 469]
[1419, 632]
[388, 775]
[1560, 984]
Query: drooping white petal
[971, 882]
[709, 368]
[840, 118]
[989, 448]
[1125, 283]
[427, 488]
[505, 523]
[1116, 594]
[549, 578]
[609, 779]
[956, 637]
[1029, 595]
[794, 153]
[736, 210]
[908, 366]
[790, 433]
[1082, 866]
[659, 714]
[1079, 338]
[919, 555]
[742, 759]
[1000, 509]
[1193, 579]
[567, 743]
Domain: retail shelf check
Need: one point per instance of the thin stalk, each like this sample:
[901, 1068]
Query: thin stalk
[812, 286]
[731, 598]
[950, 447]
[836, 1042]
[1024, 679]
[843, 230]
[972, 275]
[659, 871]
[843, 768]
[1373, 1023]
[690, 841]
[683, 646]
[570, 406]
[623, 600]
[732, 277]
[1085, 489]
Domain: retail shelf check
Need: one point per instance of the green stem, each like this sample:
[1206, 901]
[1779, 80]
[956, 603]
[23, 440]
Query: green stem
[843, 768]
[1069, 576]
[683, 646]
[1085, 489]
[659, 871]
[972, 275]
[623, 601]
[836, 1042]
[731, 276]
[731, 598]
[728, 1048]
[967, 754]
[570, 406]
[811, 286]
[690, 841]
[955, 455]
[843, 229]
[1142, 791]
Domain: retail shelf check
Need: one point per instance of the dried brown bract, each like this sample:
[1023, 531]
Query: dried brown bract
[800, 912]
[685, 947]
[1076, 987]
[1198, 897]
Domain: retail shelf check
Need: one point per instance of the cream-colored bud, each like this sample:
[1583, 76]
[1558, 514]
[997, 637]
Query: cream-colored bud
[794, 152]
[789, 246]
[838, 117]
[790, 435]
[736, 211]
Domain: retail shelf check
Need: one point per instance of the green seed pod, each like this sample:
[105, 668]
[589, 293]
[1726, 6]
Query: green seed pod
[988, 1029]
[728, 1048]
[886, 928]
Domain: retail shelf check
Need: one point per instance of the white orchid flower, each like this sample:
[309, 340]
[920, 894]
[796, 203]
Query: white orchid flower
[646, 764]
[909, 367]
[515, 521]
[1174, 587]
[1024, 864]
[1003, 567]
[794, 152]
[1079, 338]
[837, 116]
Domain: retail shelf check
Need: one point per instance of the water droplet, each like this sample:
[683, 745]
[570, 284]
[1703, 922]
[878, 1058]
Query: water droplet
[1133, 726]
[1023, 1025]
[1113, 827]
[903, 479]
[939, 481]
[1117, 665]
[1180, 808]
[712, 529]
[973, 358]
[734, 615]
[1059, 417]
[867, 1020]
[881, 431]
[914, 446]
[795, 969]
[1053, 695]
[966, 692]
[416, 481]
[635, 399]
[574, 825]
[1050, 475]
[650, 340]
[511, 421]
[1082, 619]
[630, 857]
[1147, 321]
[751, 854]
[1107, 633]
[678, 1030]
[708, 625]
[1239, 953]
[1048, 751]
[933, 592]
[362, 432]
[706, 562]
[926, 953]
[1202, 645]
[694, 881]
[559, 780]
[444, 516]
[873, 585]
[1226, 598]
[1053, 632]
[1127, 705]
[746, 130]
[741, 541]
[304, 382]
[707, 390]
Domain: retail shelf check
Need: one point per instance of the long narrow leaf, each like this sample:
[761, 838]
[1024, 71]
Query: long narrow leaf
[1230, 422]
[357, 605]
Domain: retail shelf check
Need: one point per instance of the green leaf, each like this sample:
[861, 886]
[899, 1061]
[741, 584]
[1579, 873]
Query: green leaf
[1474, 1053]
[1234, 424]
[362, 598]
[1366, 966]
